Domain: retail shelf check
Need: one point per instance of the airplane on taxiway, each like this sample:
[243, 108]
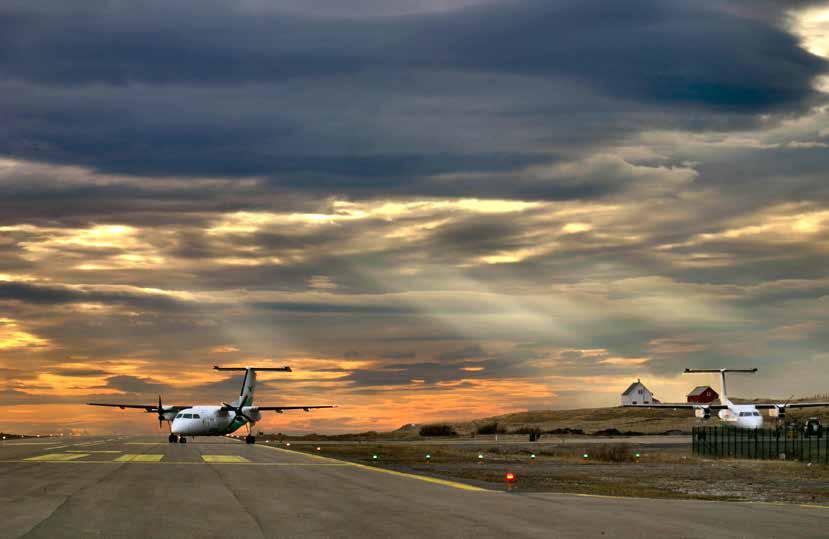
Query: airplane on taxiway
[743, 416]
[212, 420]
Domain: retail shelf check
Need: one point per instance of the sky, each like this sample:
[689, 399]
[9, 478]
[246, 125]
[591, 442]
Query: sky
[431, 210]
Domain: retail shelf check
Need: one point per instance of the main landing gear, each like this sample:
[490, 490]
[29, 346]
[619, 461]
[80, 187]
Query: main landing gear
[250, 439]
[180, 439]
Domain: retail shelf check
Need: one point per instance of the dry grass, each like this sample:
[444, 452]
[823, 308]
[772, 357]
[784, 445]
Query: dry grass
[610, 469]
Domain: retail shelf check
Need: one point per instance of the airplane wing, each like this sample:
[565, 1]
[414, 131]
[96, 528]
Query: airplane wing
[687, 405]
[771, 406]
[280, 409]
[147, 407]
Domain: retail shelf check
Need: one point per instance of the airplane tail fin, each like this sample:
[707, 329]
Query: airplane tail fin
[249, 382]
[721, 372]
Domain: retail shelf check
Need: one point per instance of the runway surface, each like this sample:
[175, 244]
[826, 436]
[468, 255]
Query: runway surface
[216, 487]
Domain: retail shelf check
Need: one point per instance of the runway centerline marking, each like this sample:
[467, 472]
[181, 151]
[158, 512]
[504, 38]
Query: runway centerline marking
[435, 480]
[224, 458]
[58, 456]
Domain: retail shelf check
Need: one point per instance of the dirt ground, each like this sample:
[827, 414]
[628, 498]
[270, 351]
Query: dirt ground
[607, 469]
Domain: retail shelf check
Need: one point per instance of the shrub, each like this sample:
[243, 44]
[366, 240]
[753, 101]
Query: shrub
[533, 432]
[565, 430]
[438, 430]
[491, 428]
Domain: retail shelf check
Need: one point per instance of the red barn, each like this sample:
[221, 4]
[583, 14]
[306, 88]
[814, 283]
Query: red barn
[703, 395]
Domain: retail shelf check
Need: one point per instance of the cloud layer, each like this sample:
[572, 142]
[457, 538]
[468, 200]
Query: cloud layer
[430, 209]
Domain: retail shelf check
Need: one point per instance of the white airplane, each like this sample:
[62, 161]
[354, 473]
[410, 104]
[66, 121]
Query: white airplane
[207, 420]
[743, 416]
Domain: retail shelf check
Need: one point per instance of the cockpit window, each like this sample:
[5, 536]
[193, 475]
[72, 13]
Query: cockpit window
[196, 416]
[188, 416]
[178, 416]
[756, 413]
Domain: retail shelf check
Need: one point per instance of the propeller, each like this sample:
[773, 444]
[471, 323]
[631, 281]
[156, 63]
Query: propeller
[238, 410]
[781, 408]
[160, 413]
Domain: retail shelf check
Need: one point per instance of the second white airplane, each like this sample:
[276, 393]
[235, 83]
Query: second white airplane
[212, 420]
[742, 416]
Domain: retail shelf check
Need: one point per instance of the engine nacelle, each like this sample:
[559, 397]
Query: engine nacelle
[726, 415]
[703, 413]
[252, 412]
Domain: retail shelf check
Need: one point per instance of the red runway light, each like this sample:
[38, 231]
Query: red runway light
[510, 477]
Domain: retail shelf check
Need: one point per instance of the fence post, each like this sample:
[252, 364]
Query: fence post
[693, 440]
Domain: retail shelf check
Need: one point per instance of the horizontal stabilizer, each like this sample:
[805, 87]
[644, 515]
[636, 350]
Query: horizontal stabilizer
[280, 369]
[717, 371]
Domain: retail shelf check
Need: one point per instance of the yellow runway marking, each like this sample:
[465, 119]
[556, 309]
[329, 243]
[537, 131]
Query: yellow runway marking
[58, 456]
[102, 451]
[224, 458]
[139, 458]
[444, 482]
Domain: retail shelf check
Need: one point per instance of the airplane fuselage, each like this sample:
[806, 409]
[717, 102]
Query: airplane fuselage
[742, 416]
[210, 421]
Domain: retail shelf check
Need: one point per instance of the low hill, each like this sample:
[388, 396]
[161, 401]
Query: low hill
[590, 420]
[643, 420]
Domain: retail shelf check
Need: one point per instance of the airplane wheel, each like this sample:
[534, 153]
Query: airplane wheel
[250, 439]
[172, 438]
[182, 440]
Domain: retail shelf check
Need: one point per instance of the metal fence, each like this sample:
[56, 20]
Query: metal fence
[785, 443]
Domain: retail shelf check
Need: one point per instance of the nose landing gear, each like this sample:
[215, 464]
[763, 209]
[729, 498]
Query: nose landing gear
[182, 440]
[250, 439]
[172, 438]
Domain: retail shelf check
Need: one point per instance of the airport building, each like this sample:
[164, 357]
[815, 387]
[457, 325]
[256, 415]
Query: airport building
[637, 393]
[703, 395]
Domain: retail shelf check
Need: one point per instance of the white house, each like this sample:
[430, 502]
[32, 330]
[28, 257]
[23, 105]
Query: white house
[637, 393]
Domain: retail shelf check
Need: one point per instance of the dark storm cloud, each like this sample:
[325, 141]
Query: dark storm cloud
[79, 372]
[340, 104]
[56, 295]
[133, 384]
[673, 51]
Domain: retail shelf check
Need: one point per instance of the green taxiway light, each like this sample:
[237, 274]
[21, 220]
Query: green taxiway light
[428, 456]
[586, 455]
[636, 455]
[480, 456]
[374, 457]
[532, 456]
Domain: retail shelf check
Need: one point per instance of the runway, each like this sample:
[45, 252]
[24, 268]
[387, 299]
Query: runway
[216, 487]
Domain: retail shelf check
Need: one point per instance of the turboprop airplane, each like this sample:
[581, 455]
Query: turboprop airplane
[212, 420]
[742, 416]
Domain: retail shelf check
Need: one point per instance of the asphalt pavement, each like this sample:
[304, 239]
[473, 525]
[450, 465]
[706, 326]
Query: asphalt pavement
[217, 487]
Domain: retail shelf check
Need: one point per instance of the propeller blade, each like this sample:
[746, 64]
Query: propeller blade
[237, 410]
